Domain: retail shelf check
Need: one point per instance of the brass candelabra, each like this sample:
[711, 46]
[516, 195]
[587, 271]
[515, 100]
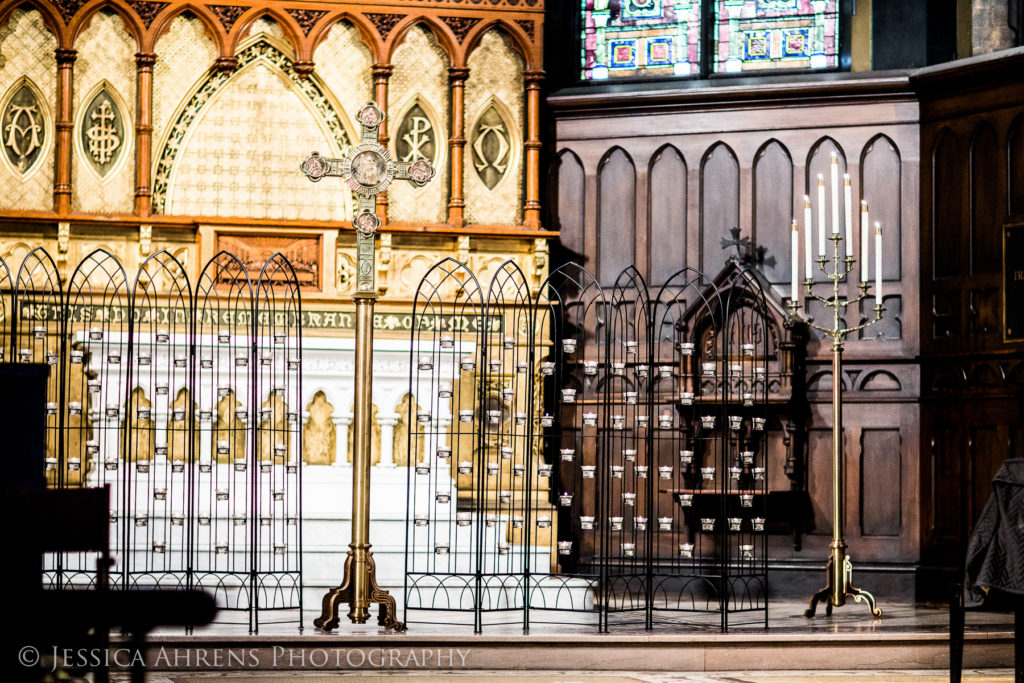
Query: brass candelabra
[839, 571]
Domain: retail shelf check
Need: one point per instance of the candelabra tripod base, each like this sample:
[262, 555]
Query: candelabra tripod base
[841, 578]
[345, 594]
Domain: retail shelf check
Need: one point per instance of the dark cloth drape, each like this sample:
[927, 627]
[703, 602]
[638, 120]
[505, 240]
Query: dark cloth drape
[995, 554]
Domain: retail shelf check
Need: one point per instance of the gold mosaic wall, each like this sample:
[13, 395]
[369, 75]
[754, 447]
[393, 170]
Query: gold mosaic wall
[242, 155]
[26, 49]
[106, 52]
[495, 77]
[345, 66]
[183, 56]
[420, 69]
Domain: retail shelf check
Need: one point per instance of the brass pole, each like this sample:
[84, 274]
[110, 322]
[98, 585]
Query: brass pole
[368, 169]
[361, 455]
[838, 502]
[839, 570]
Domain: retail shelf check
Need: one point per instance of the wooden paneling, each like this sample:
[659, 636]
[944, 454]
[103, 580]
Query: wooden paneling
[719, 204]
[881, 181]
[819, 479]
[616, 211]
[819, 164]
[986, 209]
[1015, 156]
[773, 206]
[881, 469]
[667, 201]
[569, 198]
[948, 204]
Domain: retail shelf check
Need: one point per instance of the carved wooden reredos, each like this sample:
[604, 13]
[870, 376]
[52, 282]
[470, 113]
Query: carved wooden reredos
[456, 30]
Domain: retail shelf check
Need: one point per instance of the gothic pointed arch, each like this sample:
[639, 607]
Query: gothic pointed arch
[84, 17]
[442, 34]
[163, 21]
[300, 108]
[517, 38]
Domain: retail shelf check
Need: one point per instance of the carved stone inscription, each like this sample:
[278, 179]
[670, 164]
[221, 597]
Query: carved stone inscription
[23, 129]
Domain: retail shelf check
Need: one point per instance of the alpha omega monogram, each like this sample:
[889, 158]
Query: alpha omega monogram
[22, 128]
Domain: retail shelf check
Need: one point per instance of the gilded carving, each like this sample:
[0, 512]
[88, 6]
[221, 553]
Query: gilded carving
[416, 136]
[228, 429]
[374, 438]
[177, 429]
[23, 128]
[319, 434]
[273, 424]
[143, 434]
[402, 437]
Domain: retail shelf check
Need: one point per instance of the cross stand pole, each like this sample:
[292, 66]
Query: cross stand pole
[368, 170]
[839, 570]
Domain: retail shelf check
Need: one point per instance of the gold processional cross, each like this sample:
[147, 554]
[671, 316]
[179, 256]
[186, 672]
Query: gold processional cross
[368, 169]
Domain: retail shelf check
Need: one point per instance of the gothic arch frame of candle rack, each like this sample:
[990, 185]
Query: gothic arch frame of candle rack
[589, 449]
[185, 399]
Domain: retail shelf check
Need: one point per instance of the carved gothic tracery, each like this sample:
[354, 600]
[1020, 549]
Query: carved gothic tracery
[147, 10]
[461, 26]
[227, 14]
[384, 22]
[306, 18]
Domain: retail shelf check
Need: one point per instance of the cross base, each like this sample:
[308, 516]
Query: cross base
[839, 586]
[358, 613]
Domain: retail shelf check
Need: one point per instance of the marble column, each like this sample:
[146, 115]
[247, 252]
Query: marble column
[387, 440]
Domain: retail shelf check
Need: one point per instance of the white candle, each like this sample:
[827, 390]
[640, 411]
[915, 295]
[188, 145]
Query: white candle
[821, 215]
[808, 229]
[878, 264]
[834, 170]
[864, 229]
[848, 198]
[796, 261]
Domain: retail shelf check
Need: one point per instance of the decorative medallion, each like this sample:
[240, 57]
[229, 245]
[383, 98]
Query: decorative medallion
[492, 147]
[384, 22]
[227, 14]
[102, 132]
[416, 136]
[23, 128]
[147, 9]
[461, 26]
[306, 18]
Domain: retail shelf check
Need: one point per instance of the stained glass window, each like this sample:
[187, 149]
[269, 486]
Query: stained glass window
[638, 38]
[628, 38]
[753, 35]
